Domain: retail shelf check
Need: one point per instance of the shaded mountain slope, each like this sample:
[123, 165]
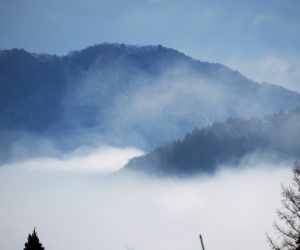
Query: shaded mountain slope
[126, 95]
[30, 91]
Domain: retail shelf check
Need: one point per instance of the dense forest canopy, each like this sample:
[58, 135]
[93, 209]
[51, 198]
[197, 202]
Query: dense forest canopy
[203, 150]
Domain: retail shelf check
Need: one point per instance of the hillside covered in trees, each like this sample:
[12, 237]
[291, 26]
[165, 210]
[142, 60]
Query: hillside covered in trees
[204, 150]
[122, 95]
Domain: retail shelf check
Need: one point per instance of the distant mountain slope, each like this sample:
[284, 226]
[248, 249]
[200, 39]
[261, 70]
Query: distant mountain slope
[30, 90]
[203, 150]
[128, 95]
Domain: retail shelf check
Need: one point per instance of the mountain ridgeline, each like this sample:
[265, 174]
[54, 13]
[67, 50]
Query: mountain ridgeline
[221, 144]
[123, 95]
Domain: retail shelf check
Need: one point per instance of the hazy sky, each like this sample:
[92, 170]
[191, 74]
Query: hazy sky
[259, 37]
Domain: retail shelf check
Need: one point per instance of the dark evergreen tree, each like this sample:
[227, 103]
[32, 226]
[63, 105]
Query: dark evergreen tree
[33, 242]
[289, 231]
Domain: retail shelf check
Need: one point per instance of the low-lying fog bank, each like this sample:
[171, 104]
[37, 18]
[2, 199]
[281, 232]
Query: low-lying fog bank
[84, 210]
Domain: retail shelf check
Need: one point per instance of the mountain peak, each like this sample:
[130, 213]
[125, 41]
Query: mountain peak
[124, 48]
[126, 93]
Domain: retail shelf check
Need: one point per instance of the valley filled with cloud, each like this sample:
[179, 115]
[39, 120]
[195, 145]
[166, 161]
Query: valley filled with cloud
[139, 125]
[79, 210]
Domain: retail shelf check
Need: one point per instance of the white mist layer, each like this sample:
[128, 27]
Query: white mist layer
[104, 159]
[232, 210]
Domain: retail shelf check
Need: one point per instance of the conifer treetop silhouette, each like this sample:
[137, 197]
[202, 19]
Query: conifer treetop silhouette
[33, 242]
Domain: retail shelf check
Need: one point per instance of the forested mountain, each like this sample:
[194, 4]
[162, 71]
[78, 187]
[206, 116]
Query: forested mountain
[126, 95]
[204, 150]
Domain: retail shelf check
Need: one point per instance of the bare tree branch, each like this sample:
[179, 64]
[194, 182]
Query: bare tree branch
[289, 215]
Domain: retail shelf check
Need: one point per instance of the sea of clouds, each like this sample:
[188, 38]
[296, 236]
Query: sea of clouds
[77, 207]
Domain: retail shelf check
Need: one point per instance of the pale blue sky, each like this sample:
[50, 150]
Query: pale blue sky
[259, 37]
